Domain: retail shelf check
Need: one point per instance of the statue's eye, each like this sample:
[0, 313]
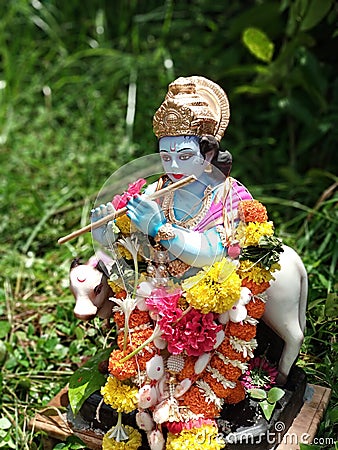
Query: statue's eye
[185, 156]
[97, 289]
[166, 158]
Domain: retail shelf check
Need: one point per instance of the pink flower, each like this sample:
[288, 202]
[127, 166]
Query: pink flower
[193, 332]
[261, 374]
[120, 201]
[177, 427]
[135, 188]
[162, 301]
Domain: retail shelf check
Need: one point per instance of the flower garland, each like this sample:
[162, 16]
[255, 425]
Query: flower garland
[182, 350]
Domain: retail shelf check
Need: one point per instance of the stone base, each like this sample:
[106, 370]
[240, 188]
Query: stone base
[243, 424]
[306, 423]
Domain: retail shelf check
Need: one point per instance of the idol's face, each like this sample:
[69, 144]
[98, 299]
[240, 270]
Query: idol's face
[181, 157]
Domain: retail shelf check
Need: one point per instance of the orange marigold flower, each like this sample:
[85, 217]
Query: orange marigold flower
[227, 350]
[252, 211]
[254, 287]
[216, 386]
[236, 395]
[136, 339]
[188, 370]
[244, 331]
[142, 359]
[255, 308]
[122, 371]
[195, 400]
[136, 318]
[229, 371]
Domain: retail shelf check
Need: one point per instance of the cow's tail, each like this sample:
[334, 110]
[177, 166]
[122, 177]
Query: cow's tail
[303, 294]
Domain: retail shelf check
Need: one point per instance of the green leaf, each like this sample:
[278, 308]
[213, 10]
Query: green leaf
[316, 12]
[5, 424]
[267, 408]
[275, 394]
[5, 328]
[259, 394]
[309, 447]
[258, 44]
[331, 306]
[86, 380]
[3, 352]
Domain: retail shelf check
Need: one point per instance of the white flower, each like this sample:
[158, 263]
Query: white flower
[156, 440]
[238, 311]
[155, 367]
[144, 421]
[125, 306]
[131, 245]
[143, 291]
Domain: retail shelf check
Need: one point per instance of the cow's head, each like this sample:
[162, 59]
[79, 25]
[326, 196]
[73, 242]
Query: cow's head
[88, 284]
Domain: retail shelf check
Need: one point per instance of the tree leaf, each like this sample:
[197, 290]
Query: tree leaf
[316, 12]
[86, 380]
[258, 44]
[275, 394]
[267, 408]
[259, 394]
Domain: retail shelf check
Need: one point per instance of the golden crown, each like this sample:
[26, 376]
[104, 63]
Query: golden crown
[193, 106]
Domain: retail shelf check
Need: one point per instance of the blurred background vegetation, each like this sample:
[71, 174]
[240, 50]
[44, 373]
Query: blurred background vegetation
[79, 84]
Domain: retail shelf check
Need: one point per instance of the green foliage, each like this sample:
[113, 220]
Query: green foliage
[86, 380]
[267, 399]
[79, 84]
[72, 443]
[259, 44]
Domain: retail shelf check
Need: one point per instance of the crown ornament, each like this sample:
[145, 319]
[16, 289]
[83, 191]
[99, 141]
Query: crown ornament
[193, 106]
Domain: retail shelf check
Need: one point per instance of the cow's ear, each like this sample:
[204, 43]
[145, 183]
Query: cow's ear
[101, 267]
[76, 262]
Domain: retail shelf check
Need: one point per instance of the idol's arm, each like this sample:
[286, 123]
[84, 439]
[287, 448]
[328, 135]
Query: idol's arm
[192, 247]
[195, 248]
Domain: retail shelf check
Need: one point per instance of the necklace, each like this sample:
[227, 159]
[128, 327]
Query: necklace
[168, 209]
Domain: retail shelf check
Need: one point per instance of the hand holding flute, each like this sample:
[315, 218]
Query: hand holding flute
[120, 212]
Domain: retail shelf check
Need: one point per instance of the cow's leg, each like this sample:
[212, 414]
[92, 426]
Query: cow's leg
[293, 339]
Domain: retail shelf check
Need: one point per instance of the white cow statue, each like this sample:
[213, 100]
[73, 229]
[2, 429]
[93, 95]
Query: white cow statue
[88, 284]
[284, 312]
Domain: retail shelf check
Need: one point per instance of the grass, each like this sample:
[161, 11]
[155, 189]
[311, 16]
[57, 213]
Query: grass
[62, 134]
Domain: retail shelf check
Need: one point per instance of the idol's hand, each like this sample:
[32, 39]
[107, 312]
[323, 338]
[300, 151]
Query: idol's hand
[104, 234]
[146, 215]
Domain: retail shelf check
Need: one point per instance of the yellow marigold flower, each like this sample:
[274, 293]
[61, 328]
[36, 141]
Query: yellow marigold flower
[125, 225]
[204, 438]
[215, 289]
[250, 233]
[255, 272]
[116, 288]
[122, 252]
[119, 395]
[133, 443]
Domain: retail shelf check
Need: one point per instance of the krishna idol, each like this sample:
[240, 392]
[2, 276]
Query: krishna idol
[190, 280]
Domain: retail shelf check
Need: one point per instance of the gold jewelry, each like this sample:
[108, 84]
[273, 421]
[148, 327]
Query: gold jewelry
[168, 209]
[177, 268]
[193, 106]
[165, 232]
[208, 168]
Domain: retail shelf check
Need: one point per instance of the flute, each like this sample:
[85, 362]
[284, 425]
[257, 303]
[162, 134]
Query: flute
[120, 212]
